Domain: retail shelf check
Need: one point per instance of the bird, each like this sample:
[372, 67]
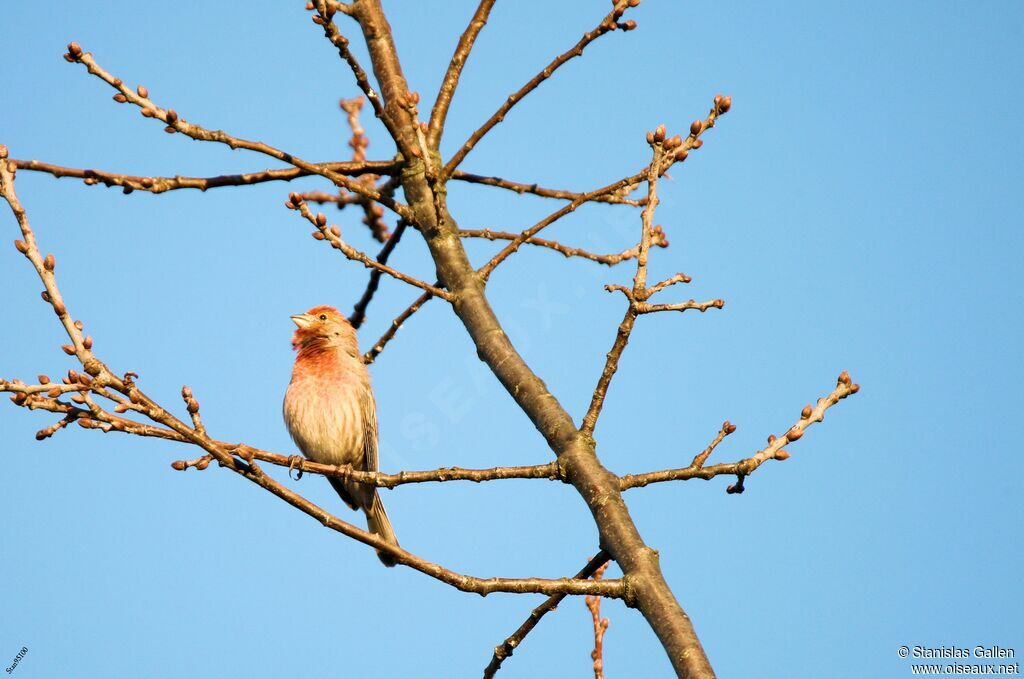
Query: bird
[331, 413]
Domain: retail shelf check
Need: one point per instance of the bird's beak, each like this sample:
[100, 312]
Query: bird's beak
[303, 320]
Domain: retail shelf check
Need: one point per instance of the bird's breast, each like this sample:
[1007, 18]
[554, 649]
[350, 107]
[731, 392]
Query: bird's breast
[325, 418]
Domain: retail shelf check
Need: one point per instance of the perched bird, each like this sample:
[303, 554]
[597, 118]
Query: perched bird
[330, 411]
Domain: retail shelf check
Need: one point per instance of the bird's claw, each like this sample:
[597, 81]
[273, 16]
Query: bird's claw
[295, 464]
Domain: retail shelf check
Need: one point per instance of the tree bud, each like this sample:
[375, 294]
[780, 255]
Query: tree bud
[806, 412]
[143, 92]
[696, 127]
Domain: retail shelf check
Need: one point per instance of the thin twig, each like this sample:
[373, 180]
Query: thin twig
[625, 328]
[608, 260]
[162, 184]
[174, 123]
[600, 627]
[608, 23]
[333, 33]
[521, 188]
[359, 312]
[810, 414]
[332, 234]
[506, 648]
[679, 154]
[378, 346]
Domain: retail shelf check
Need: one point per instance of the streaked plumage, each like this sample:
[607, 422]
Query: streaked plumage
[330, 410]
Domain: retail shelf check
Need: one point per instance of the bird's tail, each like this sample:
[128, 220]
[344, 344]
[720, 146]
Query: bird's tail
[377, 521]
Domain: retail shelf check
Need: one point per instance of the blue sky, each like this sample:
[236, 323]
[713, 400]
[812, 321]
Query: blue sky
[859, 209]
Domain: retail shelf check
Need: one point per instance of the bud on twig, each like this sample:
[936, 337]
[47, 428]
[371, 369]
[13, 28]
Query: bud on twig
[806, 412]
[794, 434]
[728, 427]
[21, 246]
[75, 50]
[50, 262]
[143, 92]
[782, 455]
[695, 127]
[178, 465]
[659, 133]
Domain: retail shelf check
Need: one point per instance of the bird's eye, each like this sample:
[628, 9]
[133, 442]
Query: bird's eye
[323, 317]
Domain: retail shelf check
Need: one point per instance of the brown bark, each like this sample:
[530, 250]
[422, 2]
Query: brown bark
[646, 588]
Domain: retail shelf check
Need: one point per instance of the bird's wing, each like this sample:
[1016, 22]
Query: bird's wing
[370, 432]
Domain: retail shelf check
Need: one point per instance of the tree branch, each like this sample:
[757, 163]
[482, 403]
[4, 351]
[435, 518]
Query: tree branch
[451, 77]
[774, 451]
[658, 240]
[520, 188]
[647, 588]
[506, 648]
[600, 627]
[609, 23]
[378, 346]
[625, 185]
[359, 312]
[332, 234]
[162, 184]
[140, 98]
[99, 378]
